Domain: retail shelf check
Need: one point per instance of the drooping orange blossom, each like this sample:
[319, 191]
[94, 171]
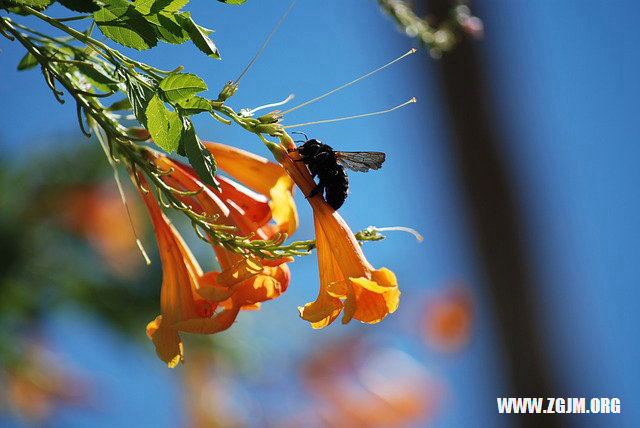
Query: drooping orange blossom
[348, 282]
[265, 177]
[189, 297]
[243, 281]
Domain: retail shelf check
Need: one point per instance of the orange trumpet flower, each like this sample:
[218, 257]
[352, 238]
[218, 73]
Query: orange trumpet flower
[257, 280]
[348, 282]
[267, 178]
[179, 298]
[189, 297]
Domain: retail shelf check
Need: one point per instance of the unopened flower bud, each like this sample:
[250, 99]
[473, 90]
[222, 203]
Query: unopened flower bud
[271, 117]
[139, 132]
[228, 91]
[272, 129]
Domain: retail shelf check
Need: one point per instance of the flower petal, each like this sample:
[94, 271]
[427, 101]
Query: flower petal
[326, 308]
[167, 342]
[254, 171]
[257, 289]
[210, 290]
[384, 277]
[179, 267]
[268, 285]
[277, 262]
[241, 271]
[283, 208]
[251, 307]
[322, 312]
[255, 207]
[218, 323]
[373, 302]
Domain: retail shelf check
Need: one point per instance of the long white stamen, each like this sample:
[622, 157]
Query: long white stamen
[289, 98]
[340, 119]
[350, 83]
[401, 229]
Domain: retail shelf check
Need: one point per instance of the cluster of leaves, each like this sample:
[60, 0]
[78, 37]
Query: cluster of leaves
[139, 24]
[161, 101]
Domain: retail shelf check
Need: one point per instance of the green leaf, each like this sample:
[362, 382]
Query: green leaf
[199, 157]
[194, 105]
[232, 1]
[168, 5]
[122, 105]
[180, 86]
[28, 61]
[167, 28]
[123, 24]
[143, 6]
[180, 149]
[174, 5]
[139, 96]
[99, 77]
[80, 5]
[38, 4]
[198, 35]
[155, 6]
[164, 126]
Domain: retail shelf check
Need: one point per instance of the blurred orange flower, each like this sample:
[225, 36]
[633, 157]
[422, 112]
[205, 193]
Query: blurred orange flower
[98, 215]
[448, 319]
[208, 384]
[348, 282]
[39, 383]
[363, 385]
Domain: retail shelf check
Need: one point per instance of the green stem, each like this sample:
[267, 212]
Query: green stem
[73, 18]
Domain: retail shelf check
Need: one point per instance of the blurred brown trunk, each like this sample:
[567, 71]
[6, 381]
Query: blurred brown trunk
[497, 224]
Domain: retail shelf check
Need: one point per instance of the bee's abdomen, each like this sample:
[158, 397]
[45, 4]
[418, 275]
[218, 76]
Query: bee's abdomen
[337, 186]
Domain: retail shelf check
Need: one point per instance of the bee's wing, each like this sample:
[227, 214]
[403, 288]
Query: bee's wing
[361, 161]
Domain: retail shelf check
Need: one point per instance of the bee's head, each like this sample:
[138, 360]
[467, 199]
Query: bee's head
[310, 147]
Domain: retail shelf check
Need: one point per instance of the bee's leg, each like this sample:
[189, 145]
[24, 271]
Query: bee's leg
[316, 190]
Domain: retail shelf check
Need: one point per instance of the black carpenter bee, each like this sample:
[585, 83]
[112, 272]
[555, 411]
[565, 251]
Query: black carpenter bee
[329, 166]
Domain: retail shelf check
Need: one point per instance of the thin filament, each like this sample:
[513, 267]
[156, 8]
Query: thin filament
[350, 83]
[266, 42]
[340, 119]
[102, 139]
